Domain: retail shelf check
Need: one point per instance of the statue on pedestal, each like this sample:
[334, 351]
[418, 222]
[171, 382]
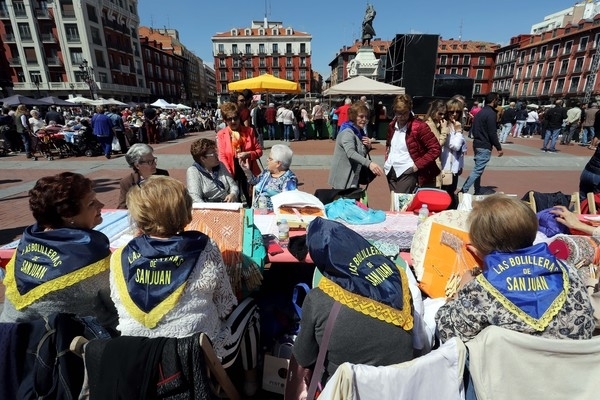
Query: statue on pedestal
[368, 32]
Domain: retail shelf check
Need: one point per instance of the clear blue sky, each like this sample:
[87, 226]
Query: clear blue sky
[334, 24]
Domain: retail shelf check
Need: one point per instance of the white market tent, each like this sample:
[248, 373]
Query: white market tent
[363, 85]
[183, 107]
[80, 100]
[162, 103]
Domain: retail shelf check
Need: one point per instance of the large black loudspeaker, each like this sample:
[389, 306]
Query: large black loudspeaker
[411, 62]
[450, 85]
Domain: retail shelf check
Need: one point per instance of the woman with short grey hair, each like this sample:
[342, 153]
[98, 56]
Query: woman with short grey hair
[275, 178]
[140, 158]
[283, 154]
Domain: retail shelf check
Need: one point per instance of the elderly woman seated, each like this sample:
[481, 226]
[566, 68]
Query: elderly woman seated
[61, 264]
[375, 320]
[522, 287]
[275, 178]
[140, 158]
[173, 283]
[208, 180]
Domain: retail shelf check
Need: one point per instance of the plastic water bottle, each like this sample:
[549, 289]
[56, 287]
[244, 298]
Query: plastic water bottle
[284, 233]
[263, 207]
[423, 213]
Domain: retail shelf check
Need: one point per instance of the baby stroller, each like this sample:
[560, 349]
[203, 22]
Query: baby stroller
[87, 144]
[50, 144]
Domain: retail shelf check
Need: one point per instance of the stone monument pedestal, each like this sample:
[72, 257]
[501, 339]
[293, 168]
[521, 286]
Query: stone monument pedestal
[364, 63]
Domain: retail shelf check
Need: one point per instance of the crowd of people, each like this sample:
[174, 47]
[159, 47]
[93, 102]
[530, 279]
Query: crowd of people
[169, 282]
[114, 128]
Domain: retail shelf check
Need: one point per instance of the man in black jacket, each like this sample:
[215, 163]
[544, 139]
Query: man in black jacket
[553, 120]
[508, 121]
[484, 137]
[53, 115]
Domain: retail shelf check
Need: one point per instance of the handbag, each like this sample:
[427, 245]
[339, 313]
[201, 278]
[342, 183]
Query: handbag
[366, 176]
[447, 177]
[302, 383]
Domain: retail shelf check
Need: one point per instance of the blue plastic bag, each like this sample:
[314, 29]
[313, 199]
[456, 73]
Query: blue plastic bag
[347, 210]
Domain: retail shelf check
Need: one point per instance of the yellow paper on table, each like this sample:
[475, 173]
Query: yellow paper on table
[442, 260]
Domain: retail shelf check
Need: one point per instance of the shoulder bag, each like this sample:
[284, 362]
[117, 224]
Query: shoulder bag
[366, 176]
[302, 383]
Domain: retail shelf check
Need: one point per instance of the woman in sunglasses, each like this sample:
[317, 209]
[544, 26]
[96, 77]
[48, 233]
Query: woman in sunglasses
[454, 147]
[140, 158]
[238, 143]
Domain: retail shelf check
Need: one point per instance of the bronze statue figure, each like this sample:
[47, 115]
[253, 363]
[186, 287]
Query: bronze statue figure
[367, 26]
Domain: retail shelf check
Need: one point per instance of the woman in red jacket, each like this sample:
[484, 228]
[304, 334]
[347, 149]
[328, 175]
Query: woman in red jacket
[411, 150]
[236, 143]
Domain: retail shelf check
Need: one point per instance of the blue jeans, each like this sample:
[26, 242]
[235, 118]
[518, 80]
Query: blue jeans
[505, 131]
[272, 131]
[587, 133]
[482, 157]
[334, 129]
[287, 132]
[519, 128]
[589, 182]
[572, 129]
[106, 143]
[550, 138]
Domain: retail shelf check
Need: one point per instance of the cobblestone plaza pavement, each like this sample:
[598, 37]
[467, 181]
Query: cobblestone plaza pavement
[523, 167]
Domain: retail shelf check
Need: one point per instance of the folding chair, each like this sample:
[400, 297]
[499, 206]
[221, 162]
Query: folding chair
[591, 199]
[220, 383]
[399, 201]
[574, 203]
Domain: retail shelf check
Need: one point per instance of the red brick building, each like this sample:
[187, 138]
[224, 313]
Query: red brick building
[471, 59]
[264, 47]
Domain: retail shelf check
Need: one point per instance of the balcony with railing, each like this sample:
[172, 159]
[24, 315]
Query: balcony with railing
[9, 38]
[42, 13]
[563, 71]
[68, 14]
[73, 39]
[14, 61]
[4, 13]
[54, 62]
[20, 13]
[48, 38]
[26, 38]
[31, 61]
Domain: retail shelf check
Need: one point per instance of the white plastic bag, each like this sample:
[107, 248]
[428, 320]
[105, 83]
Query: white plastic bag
[116, 146]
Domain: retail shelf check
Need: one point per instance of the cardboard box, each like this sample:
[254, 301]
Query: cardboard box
[275, 374]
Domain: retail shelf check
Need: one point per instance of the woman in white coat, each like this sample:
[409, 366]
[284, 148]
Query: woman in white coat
[454, 147]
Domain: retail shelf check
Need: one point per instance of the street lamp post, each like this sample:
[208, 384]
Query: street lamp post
[36, 82]
[183, 94]
[88, 76]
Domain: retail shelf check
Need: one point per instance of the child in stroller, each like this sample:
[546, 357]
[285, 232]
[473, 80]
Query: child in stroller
[86, 143]
[51, 143]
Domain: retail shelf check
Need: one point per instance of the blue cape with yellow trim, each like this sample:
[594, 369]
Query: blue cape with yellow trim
[530, 282]
[154, 269]
[47, 261]
[350, 261]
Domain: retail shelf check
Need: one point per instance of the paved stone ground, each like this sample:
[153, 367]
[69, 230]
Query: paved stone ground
[524, 167]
